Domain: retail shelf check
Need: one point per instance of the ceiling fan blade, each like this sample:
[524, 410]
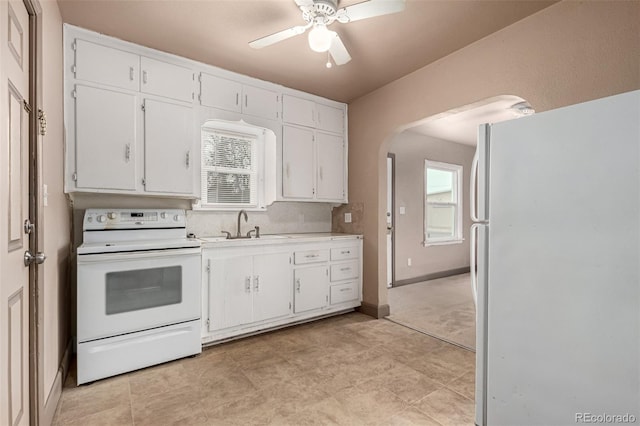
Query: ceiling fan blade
[279, 36]
[369, 9]
[339, 52]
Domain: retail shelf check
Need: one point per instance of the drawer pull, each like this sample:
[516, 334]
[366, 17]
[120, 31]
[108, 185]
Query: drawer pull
[345, 289]
[345, 269]
[311, 256]
[345, 252]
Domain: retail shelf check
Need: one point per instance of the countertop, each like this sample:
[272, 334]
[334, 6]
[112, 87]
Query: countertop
[270, 239]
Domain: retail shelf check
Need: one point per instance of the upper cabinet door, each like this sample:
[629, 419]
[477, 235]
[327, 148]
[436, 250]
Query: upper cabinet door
[298, 111]
[169, 157]
[105, 65]
[330, 119]
[167, 80]
[331, 167]
[105, 139]
[297, 163]
[260, 102]
[220, 93]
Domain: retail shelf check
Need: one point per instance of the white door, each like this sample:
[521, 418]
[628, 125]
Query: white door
[167, 80]
[297, 163]
[168, 156]
[330, 167]
[330, 119]
[260, 102]
[311, 288]
[220, 93]
[271, 286]
[234, 275]
[105, 138]
[390, 228]
[298, 111]
[14, 195]
[105, 65]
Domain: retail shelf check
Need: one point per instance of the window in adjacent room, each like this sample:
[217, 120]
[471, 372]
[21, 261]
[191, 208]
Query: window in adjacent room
[442, 203]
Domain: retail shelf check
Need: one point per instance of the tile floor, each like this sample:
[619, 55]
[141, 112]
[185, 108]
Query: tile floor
[443, 308]
[345, 370]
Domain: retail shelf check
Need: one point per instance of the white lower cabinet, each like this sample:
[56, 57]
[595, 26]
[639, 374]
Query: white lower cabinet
[251, 286]
[311, 288]
[243, 289]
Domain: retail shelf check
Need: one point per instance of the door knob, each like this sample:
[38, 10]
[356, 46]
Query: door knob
[29, 258]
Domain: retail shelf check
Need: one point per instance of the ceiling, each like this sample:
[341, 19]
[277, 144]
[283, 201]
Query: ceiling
[461, 125]
[217, 32]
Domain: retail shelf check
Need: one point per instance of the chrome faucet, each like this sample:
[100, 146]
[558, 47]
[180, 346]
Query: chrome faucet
[246, 219]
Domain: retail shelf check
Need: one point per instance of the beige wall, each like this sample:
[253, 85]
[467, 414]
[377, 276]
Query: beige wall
[411, 149]
[57, 215]
[570, 52]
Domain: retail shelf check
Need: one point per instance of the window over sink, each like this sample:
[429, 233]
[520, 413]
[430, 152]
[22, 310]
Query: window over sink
[237, 167]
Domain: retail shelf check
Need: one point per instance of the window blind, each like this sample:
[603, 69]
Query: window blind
[229, 169]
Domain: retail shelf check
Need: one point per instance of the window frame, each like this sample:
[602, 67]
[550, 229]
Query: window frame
[457, 171]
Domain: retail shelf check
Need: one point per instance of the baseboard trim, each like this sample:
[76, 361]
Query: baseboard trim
[433, 276]
[50, 406]
[376, 311]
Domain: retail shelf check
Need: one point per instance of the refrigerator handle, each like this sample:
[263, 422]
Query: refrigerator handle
[472, 259]
[473, 208]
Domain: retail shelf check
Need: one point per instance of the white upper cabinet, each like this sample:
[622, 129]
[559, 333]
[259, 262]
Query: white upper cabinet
[230, 95]
[330, 167]
[105, 139]
[329, 118]
[169, 161]
[298, 163]
[220, 93]
[105, 65]
[298, 111]
[305, 112]
[166, 80]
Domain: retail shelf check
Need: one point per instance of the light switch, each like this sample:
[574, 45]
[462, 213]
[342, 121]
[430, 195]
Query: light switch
[347, 218]
[402, 210]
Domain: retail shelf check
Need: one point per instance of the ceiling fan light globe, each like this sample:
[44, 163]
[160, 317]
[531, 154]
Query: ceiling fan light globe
[320, 38]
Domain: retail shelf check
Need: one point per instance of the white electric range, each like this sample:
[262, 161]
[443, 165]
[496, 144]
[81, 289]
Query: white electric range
[138, 291]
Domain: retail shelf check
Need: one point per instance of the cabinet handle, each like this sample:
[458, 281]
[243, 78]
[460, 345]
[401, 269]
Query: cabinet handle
[345, 252]
[345, 289]
[311, 256]
[247, 284]
[127, 152]
[144, 77]
[237, 98]
[345, 269]
[287, 170]
[256, 283]
[188, 159]
[319, 121]
[131, 73]
[298, 285]
[246, 101]
[321, 174]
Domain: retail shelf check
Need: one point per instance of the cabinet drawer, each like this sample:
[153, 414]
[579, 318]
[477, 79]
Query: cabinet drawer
[343, 292]
[310, 256]
[344, 253]
[344, 271]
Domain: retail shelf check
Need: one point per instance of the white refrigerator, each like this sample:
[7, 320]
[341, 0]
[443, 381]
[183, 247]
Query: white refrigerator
[557, 243]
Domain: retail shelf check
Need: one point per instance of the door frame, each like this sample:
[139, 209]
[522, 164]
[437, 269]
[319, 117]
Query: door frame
[391, 156]
[36, 216]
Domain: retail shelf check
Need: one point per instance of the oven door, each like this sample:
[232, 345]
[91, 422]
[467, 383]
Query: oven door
[121, 293]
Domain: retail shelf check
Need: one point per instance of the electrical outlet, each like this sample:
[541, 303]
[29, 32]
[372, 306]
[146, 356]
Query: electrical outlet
[347, 218]
[403, 210]
[408, 261]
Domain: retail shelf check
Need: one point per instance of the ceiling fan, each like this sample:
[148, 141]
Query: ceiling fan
[319, 14]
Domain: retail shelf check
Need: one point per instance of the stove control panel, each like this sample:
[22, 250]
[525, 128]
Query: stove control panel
[103, 219]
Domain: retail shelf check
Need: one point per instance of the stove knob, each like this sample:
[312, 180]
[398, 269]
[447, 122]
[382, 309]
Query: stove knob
[177, 217]
[90, 219]
[101, 218]
[163, 215]
[111, 215]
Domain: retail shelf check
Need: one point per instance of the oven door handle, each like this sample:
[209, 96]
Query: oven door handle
[137, 255]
